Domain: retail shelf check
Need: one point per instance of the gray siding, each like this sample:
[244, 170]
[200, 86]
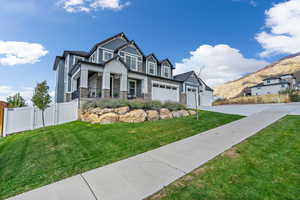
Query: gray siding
[131, 50]
[60, 82]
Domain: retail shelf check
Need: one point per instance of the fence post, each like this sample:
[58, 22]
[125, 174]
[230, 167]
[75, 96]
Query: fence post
[4, 121]
[32, 118]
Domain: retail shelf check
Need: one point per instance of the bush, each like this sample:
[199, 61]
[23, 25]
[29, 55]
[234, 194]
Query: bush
[173, 105]
[294, 96]
[133, 104]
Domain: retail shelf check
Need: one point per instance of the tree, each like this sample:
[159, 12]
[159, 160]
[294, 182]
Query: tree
[41, 98]
[16, 101]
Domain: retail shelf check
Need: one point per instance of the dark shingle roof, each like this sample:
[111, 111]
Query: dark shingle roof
[263, 85]
[79, 53]
[182, 77]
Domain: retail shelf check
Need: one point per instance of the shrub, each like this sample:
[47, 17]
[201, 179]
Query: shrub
[153, 105]
[173, 105]
[294, 96]
[137, 104]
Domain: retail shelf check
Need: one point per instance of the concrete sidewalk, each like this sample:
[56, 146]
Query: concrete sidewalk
[140, 176]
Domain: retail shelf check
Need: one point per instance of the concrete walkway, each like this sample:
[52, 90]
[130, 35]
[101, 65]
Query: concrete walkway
[140, 176]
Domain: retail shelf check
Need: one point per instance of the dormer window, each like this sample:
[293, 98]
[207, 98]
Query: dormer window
[152, 68]
[107, 55]
[132, 62]
[166, 71]
[93, 57]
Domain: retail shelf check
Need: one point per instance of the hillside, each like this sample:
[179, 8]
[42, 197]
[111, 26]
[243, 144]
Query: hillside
[289, 64]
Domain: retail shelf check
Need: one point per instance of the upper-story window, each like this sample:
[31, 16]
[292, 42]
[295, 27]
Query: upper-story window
[166, 71]
[152, 68]
[76, 59]
[93, 57]
[107, 55]
[131, 61]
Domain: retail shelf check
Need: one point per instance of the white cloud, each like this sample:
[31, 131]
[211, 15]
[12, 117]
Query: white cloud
[283, 29]
[91, 5]
[13, 53]
[219, 64]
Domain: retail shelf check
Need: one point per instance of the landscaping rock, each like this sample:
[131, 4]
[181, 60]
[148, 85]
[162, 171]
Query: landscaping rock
[192, 112]
[121, 110]
[184, 113]
[93, 118]
[85, 117]
[152, 115]
[165, 114]
[97, 111]
[177, 114]
[134, 116]
[108, 118]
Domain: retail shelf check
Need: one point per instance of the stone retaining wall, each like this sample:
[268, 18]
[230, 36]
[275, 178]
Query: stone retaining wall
[125, 114]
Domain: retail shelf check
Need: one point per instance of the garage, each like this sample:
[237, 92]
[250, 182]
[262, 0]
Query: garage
[192, 97]
[165, 92]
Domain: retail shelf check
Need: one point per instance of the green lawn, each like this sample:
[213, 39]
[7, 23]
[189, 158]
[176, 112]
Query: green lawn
[39, 157]
[266, 166]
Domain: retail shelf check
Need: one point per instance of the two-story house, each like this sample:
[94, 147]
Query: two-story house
[117, 68]
[274, 85]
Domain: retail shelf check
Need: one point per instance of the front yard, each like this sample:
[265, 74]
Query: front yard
[265, 166]
[36, 158]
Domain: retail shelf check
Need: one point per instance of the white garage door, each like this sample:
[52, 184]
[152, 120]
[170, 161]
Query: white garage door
[164, 92]
[192, 97]
[206, 99]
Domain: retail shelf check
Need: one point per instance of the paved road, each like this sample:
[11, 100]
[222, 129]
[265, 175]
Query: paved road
[140, 176]
[249, 109]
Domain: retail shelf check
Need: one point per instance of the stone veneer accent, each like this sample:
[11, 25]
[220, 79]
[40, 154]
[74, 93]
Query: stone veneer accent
[123, 95]
[84, 92]
[105, 93]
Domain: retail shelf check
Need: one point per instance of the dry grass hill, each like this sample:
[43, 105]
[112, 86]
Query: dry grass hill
[290, 64]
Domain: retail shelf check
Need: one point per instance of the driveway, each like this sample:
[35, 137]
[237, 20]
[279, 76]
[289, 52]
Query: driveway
[249, 109]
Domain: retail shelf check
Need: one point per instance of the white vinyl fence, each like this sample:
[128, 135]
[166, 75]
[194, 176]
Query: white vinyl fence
[29, 118]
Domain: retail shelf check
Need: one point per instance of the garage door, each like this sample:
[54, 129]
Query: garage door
[165, 92]
[206, 99]
[192, 97]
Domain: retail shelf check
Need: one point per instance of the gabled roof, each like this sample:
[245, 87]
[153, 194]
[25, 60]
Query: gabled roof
[152, 55]
[166, 60]
[108, 39]
[272, 78]
[132, 42]
[117, 57]
[57, 59]
[184, 76]
[263, 85]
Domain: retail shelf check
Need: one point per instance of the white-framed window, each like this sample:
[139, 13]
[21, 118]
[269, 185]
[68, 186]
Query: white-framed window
[151, 68]
[77, 58]
[107, 55]
[166, 71]
[132, 87]
[131, 61]
[93, 57]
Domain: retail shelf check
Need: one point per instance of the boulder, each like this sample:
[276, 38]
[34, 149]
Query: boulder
[93, 118]
[134, 116]
[97, 111]
[85, 116]
[184, 113]
[152, 115]
[192, 112]
[165, 113]
[108, 118]
[121, 110]
[177, 114]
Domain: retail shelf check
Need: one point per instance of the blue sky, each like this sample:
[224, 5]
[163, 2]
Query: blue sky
[232, 37]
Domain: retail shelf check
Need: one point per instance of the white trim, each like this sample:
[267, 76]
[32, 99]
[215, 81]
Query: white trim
[163, 67]
[103, 55]
[135, 86]
[130, 45]
[130, 66]
[164, 83]
[148, 69]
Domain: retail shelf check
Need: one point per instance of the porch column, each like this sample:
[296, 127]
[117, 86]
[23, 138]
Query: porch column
[106, 85]
[84, 91]
[123, 87]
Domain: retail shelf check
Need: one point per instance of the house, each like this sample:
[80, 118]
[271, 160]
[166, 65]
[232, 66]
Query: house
[274, 85]
[117, 68]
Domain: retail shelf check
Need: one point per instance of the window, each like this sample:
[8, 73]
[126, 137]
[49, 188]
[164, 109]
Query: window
[166, 71]
[268, 81]
[152, 68]
[132, 88]
[282, 85]
[131, 61]
[76, 59]
[93, 57]
[107, 55]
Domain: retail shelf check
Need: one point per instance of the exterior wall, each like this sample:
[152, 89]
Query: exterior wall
[271, 81]
[59, 94]
[114, 44]
[272, 89]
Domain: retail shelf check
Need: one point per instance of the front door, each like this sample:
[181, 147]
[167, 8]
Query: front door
[132, 89]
